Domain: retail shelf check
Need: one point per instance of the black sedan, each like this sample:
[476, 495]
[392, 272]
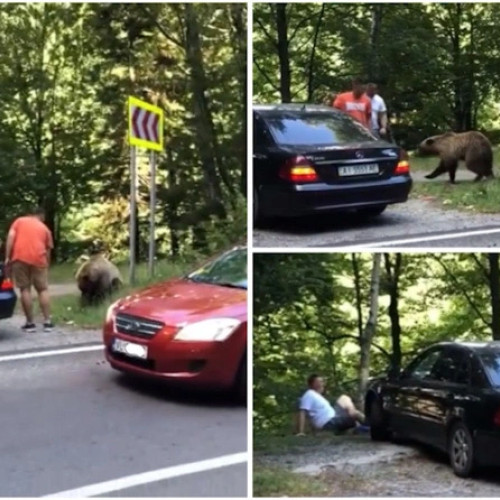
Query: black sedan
[310, 159]
[448, 398]
[8, 296]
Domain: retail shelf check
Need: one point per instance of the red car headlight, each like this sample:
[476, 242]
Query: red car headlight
[216, 329]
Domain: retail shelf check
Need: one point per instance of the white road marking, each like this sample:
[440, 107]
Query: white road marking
[151, 476]
[53, 352]
[436, 237]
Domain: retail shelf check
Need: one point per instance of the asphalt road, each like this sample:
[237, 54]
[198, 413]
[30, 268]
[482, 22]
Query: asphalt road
[68, 422]
[415, 224]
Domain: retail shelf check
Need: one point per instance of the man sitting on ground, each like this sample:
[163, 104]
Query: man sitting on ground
[340, 417]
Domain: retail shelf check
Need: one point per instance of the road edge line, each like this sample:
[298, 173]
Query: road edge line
[134, 480]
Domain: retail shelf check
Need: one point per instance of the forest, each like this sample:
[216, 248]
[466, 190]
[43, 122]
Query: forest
[436, 64]
[66, 71]
[354, 316]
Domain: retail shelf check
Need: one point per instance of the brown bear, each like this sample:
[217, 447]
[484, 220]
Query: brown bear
[97, 279]
[472, 147]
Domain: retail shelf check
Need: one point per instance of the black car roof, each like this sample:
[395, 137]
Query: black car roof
[476, 346]
[294, 107]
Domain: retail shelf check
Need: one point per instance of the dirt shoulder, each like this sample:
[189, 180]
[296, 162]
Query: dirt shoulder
[345, 466]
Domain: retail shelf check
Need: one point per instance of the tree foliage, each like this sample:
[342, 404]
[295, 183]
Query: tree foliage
[436, 64]
[65, 73]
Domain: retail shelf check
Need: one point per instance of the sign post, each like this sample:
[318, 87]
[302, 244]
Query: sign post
[133, 213]
[145, 131]
[152, 210]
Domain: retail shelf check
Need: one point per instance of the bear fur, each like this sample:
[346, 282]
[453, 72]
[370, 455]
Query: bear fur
[472, 147]
[97, 278]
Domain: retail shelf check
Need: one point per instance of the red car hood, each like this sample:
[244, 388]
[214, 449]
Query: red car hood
[182, 301]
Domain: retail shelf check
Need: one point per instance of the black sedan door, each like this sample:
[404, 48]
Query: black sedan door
[443, 395]
[403, 401]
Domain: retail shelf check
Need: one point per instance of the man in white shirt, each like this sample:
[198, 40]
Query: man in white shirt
[322, 415]
[378, 123]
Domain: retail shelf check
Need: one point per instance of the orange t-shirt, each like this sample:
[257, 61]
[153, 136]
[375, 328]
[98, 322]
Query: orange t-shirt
[31, 241]
[360, 109]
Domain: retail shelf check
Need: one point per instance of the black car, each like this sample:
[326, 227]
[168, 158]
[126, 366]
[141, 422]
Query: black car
[8, 296]
[310, 159]
[448, 397]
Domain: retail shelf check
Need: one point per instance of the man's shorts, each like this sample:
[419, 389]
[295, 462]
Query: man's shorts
[26, 276]
[341, 422]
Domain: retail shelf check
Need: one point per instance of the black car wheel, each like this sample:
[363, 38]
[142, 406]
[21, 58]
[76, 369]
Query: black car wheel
[378, 424]
[461, 450]
[372, 211]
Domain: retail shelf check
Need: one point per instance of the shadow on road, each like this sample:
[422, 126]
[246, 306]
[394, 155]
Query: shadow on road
[182, 395]
[338, 221]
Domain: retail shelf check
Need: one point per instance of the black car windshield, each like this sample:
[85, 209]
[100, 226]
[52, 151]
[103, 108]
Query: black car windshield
[230, 270]
[491, 363]
[316, 129]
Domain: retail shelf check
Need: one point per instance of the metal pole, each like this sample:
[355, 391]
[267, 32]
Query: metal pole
[133, 221]
[152, 208]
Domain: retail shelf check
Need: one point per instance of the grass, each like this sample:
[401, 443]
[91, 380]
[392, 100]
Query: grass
[289, 444]
[278, 482]
[66, 309]
[481, 197]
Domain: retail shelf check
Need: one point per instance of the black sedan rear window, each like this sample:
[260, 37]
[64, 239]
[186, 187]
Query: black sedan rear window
[491, 363]
[320, 129]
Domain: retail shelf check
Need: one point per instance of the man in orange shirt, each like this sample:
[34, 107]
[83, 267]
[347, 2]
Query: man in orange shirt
[27, 253]
[355, 103]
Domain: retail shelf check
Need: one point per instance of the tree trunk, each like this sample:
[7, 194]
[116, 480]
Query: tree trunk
[494, 278]
[373, 56]
[458, 84]
[239, 43]
[393, 274]
[284, 60]
[310, 79]
[370, 327]
[203, 122]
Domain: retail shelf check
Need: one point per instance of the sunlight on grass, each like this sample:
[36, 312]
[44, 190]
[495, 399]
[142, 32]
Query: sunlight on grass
[481, 197]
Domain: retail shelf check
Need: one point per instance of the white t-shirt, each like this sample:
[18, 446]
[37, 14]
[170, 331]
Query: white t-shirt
[320, 411]
[378, 106]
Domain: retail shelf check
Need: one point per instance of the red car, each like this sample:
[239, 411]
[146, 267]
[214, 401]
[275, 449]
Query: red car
[191, 330]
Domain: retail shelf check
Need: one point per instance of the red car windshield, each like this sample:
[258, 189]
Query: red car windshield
[229, 270]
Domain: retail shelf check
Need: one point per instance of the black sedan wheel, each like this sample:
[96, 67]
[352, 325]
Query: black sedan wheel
[378, 425]
[461, 450]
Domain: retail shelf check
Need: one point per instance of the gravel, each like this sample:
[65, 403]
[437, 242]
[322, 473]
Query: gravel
[356, 466]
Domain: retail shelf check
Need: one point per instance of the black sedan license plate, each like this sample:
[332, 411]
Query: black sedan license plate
[367, 169]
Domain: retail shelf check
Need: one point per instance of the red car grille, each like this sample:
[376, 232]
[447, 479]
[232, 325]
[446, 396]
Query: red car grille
[137, 326]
